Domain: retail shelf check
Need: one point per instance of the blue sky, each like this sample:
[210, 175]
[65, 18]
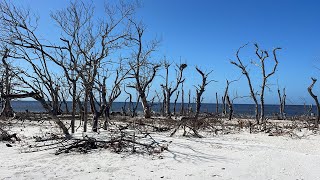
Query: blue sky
[207, 33]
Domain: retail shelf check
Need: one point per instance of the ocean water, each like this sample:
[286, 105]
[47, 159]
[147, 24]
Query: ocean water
[243, 109]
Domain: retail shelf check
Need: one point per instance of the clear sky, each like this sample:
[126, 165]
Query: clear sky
[207, 33]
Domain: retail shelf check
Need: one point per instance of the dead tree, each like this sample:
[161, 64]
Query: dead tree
[19, 33]
[169, 89]
[160, 102]
[7, 110]
[189, 102]
[224, 99]
[200, 89]
[143, 71]
[89, 46]
[132, 107]
[175, 102]
[69, 67]
[230, 106]
[114, 92]
[243, 68]
[282, 101]
[263, 55]
[182, 110]
[316, 122]
[217, 104]
[164, 102]
[228, 103]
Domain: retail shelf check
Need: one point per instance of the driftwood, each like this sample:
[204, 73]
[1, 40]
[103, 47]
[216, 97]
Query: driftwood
[5, 136]
[189, 122]
[121, 141]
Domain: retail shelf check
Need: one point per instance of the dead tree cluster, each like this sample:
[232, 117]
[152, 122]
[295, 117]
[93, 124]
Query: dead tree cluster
[170, 88]
[93, 62]
[262, 55]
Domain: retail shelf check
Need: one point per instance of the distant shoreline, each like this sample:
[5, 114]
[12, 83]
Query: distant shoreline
[239, 109]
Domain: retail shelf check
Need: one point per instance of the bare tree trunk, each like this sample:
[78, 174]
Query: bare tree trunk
[164, 102]
[167, 106]
[189, 102]
[230, 107]
[107, 116]
[182, 101]
[245, 72]
[74, 106]
[95, 112]
[282, 101]
[7, 110]
[262, 55]
[145, 105]
[316, 122]
[217, 104]
[198, 105]
[168, 89]
[85, 111]
[81, 110]
[175, 103]
[143, 71]
[48, 108]
[262, 118]
[200, 89]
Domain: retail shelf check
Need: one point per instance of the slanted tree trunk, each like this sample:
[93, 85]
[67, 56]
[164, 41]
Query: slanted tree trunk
[143, 71]
[252, 92]
[316, 122]
[175, 102]
[225, 103]
[45, 105]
